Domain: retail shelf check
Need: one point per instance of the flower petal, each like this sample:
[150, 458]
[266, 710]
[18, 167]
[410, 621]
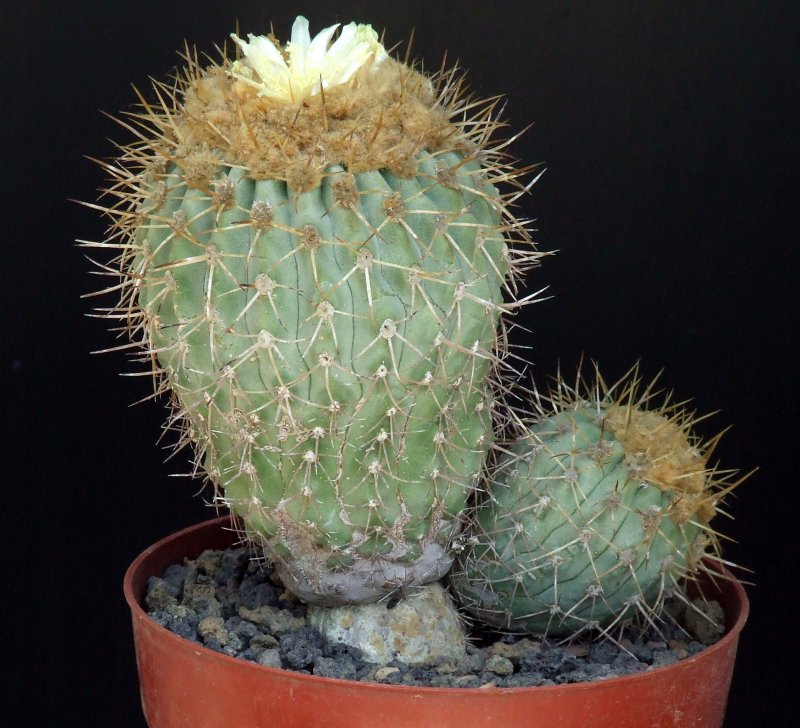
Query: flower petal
[312, 64]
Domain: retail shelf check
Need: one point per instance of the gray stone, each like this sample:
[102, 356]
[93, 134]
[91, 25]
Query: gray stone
[422, 628]
[270, 658]
[499, 665]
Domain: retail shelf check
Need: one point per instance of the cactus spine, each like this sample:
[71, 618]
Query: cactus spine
[312, 254]
[593, 516]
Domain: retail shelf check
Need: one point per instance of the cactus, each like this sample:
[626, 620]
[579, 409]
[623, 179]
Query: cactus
[593, 516]
[312, 252]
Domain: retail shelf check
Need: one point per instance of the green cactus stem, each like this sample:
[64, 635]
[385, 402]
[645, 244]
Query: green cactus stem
[594, 515]
[312, 253]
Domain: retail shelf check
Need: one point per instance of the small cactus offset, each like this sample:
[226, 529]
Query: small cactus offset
[312, 255]
[593, 516]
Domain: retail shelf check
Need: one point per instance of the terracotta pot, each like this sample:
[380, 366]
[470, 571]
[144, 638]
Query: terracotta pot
[185, 684]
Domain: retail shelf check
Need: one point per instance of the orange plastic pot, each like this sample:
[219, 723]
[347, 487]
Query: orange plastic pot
[185, 684]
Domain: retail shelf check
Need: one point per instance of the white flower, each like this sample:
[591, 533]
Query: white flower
[312, 64]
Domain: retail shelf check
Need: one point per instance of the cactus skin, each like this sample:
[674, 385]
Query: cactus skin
[327, 330]
[593, 517]
[334, 377]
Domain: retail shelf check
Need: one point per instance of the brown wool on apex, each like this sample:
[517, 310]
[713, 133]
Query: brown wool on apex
[379, 121]
[659, 450]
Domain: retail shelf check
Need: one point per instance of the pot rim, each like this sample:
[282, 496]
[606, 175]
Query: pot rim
[732, 633]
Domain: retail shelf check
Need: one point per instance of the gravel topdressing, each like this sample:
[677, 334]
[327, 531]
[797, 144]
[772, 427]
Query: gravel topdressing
[230, 604]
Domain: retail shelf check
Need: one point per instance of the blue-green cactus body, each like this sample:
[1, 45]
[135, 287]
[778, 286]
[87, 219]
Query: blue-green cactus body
[313, 255]
[329, 350]
[592, 517]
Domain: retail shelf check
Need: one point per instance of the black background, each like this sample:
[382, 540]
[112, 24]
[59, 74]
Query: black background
[669, 133]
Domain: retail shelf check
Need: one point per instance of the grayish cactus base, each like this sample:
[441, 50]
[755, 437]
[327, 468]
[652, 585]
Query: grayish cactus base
[422, 628]
[366, 580]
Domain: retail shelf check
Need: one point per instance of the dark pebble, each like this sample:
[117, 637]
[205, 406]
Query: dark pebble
[232, 566]
[176, 576]
[250, 654]
[603, 652]
[300, 648]
[253, 594]
[549, 663]
[160, 594]
[642, 652]
[183, 622]
[241, 628]
[694, 647]
[342, 668]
